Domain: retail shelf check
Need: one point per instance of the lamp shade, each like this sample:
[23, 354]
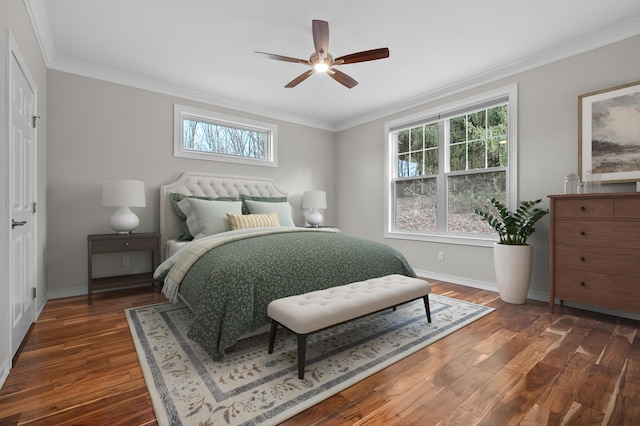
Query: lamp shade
[314, 200]
[123, 193]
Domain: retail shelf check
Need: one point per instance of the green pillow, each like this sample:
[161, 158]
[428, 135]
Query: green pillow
[283, 210]
[243, 198]
[208, 217]
[183, 229]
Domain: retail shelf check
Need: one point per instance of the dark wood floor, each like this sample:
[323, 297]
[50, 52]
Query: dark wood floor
[518, 365]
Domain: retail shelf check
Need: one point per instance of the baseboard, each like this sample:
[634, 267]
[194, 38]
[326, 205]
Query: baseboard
[533, 295]
[67, 292]
[4, 371]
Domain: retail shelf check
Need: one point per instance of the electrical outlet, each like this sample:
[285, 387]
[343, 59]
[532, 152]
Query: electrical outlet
[440, 255]
[124, 262]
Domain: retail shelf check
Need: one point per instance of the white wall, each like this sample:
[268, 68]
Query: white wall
[548, 150]
[13, 17]
[102, 130]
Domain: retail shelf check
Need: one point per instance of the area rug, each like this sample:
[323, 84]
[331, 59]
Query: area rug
[251, 386]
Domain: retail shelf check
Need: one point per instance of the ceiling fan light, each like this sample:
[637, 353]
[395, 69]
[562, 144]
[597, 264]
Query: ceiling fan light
[321, 67]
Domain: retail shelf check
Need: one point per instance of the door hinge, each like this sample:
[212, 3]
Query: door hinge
[34, 119]
[34, 292]
[33, 207]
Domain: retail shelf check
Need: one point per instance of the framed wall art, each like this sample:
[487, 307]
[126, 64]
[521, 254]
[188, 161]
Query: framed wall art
[609, 134]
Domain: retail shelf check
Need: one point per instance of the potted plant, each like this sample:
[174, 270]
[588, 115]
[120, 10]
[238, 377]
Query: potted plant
[513, 257]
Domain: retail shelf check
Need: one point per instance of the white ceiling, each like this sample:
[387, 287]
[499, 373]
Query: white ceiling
[203, 49]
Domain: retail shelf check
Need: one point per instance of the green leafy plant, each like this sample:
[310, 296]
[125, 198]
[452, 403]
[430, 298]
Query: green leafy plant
[514, 228]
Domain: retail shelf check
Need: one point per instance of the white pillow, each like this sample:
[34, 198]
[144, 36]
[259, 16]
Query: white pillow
[283, 210]
[208, 217]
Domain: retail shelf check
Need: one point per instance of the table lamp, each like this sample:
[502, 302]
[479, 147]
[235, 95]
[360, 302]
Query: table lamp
[123, 193]
[314, 200]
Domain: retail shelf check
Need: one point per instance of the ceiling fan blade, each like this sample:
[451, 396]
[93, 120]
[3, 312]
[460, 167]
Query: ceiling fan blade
[364, 56]
[320, 36]
[299, 79]
[282, 58]
[342, 78]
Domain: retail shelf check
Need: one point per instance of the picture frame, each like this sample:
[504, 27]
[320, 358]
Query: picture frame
[609, 134]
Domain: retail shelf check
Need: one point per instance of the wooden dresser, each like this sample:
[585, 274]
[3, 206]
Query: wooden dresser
[594, 250]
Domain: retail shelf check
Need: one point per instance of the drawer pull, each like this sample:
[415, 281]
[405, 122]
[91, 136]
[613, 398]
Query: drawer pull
[126, 244]
[583, 258]
[582, 283]
[583, 233]
[583, 208]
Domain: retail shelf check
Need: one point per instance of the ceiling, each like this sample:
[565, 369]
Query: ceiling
[203, 49]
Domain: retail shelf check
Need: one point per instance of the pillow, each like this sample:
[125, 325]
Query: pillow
[245, 221]
[208, 217]
[283, 210]
[183, 229]
[245, 208]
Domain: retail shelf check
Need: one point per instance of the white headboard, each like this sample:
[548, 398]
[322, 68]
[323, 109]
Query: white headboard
[208, 185]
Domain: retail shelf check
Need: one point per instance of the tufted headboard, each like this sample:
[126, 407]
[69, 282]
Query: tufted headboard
[208, 185]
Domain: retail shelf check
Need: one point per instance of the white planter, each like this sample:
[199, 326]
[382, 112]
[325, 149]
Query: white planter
[513, 271]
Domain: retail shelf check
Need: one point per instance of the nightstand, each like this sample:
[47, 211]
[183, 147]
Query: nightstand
[121, 243]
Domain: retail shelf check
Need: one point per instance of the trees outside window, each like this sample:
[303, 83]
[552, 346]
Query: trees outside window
[212, 136]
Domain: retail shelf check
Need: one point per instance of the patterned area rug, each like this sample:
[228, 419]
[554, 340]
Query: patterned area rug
[252, 387]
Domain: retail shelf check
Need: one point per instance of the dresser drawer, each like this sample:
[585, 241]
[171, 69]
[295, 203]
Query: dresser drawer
[605, 260]
[627, 208]
[594, 288]
[584, 208]
[598, 233]
[124, 244]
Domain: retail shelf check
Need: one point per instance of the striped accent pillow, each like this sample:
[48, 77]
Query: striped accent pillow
[245, 221]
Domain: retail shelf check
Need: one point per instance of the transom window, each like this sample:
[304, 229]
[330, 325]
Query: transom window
[443, 164]
[207, 135]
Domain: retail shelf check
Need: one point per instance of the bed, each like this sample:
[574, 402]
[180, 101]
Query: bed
[228, 276]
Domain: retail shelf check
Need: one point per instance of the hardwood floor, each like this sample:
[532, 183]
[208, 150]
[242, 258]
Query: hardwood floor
[518, 365]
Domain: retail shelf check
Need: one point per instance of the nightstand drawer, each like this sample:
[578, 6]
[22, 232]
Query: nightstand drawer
[124, 244]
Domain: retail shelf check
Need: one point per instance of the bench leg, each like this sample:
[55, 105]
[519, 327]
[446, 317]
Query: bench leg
[302, 349]
[426, 307]
[272, 335]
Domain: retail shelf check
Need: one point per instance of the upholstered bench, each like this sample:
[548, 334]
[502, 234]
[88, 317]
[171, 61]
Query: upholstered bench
[317, 310]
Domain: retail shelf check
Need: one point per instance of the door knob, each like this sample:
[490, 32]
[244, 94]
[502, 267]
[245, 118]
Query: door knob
[20, 223]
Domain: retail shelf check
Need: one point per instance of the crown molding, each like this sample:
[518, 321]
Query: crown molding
[610, 35]
[38, 17]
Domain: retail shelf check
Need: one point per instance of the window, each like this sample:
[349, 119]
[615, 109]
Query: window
[444, 163]
[207, 135]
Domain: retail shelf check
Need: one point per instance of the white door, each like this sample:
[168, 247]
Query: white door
[22, 197]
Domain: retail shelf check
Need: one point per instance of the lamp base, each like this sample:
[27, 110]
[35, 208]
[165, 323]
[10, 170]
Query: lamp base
[314, 218]
[124, 221]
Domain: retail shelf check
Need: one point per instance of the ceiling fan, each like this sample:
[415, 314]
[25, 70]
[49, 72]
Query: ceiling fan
[322, 61]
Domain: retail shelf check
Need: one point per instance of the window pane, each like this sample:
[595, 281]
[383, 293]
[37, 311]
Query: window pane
[498, 151]
[417, 138]
[416, 205]
[458, 132]
[431, 162]
[476, 155]
[403, 141]
[215, 138]
[458, 157]
[431, 136]
[468, 192]
[404, 165]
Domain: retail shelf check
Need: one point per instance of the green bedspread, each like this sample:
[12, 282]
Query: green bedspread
[230, 286]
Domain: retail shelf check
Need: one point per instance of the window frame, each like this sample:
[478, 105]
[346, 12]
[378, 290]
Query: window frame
[183, 112]
[449, 110]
